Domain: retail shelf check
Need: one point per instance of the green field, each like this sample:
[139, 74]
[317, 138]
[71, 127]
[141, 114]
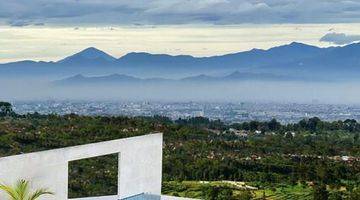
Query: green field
[241, 190]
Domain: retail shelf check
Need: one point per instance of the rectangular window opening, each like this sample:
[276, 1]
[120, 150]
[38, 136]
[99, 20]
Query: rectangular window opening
[93, 177]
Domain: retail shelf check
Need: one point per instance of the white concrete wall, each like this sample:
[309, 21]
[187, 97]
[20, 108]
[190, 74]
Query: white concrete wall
[140, 166]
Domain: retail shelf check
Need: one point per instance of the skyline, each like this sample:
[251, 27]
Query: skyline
[53, 43]
[43, 30]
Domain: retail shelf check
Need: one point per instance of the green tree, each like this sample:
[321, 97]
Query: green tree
[320, 192]
[355, 194]
[217, 193]
[244, 195]
[336, 195]
[21, 191]
[274, 125]
[5, 108]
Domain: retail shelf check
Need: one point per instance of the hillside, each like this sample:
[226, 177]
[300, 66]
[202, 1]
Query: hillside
[295, 59]
[281, 156]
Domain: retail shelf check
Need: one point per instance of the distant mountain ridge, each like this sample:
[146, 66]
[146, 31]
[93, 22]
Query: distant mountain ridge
[114, 79]
[290, 60]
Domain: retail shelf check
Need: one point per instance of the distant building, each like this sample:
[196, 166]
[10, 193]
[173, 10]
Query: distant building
[289, 133]
[240, 133]
[257, 132]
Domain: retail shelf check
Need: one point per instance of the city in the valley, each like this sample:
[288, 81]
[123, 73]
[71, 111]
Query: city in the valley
[227, 112]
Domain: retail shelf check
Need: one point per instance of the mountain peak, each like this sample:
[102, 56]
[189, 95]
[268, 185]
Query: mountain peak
[298, 44]
[301, 45]
[295, 45]
[91, 50]
[235, 74]
[88, 54]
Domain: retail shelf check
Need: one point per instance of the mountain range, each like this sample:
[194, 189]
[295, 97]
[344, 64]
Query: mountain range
[290, 61]
[116, 79]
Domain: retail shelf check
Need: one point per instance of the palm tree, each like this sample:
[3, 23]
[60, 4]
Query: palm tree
[21, 191]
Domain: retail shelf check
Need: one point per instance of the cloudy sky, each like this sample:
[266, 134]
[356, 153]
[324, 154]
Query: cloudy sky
[51, 29]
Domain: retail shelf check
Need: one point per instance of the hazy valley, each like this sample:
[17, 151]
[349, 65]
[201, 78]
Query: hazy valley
[294, 72]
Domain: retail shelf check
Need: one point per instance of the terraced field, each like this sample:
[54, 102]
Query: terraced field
[195, 189]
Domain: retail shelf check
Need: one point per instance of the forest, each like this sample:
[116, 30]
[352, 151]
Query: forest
[203, 158]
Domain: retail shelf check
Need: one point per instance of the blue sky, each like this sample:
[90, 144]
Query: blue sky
[52, 29]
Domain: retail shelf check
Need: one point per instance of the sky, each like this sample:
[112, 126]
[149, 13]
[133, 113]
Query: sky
[50, 30]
